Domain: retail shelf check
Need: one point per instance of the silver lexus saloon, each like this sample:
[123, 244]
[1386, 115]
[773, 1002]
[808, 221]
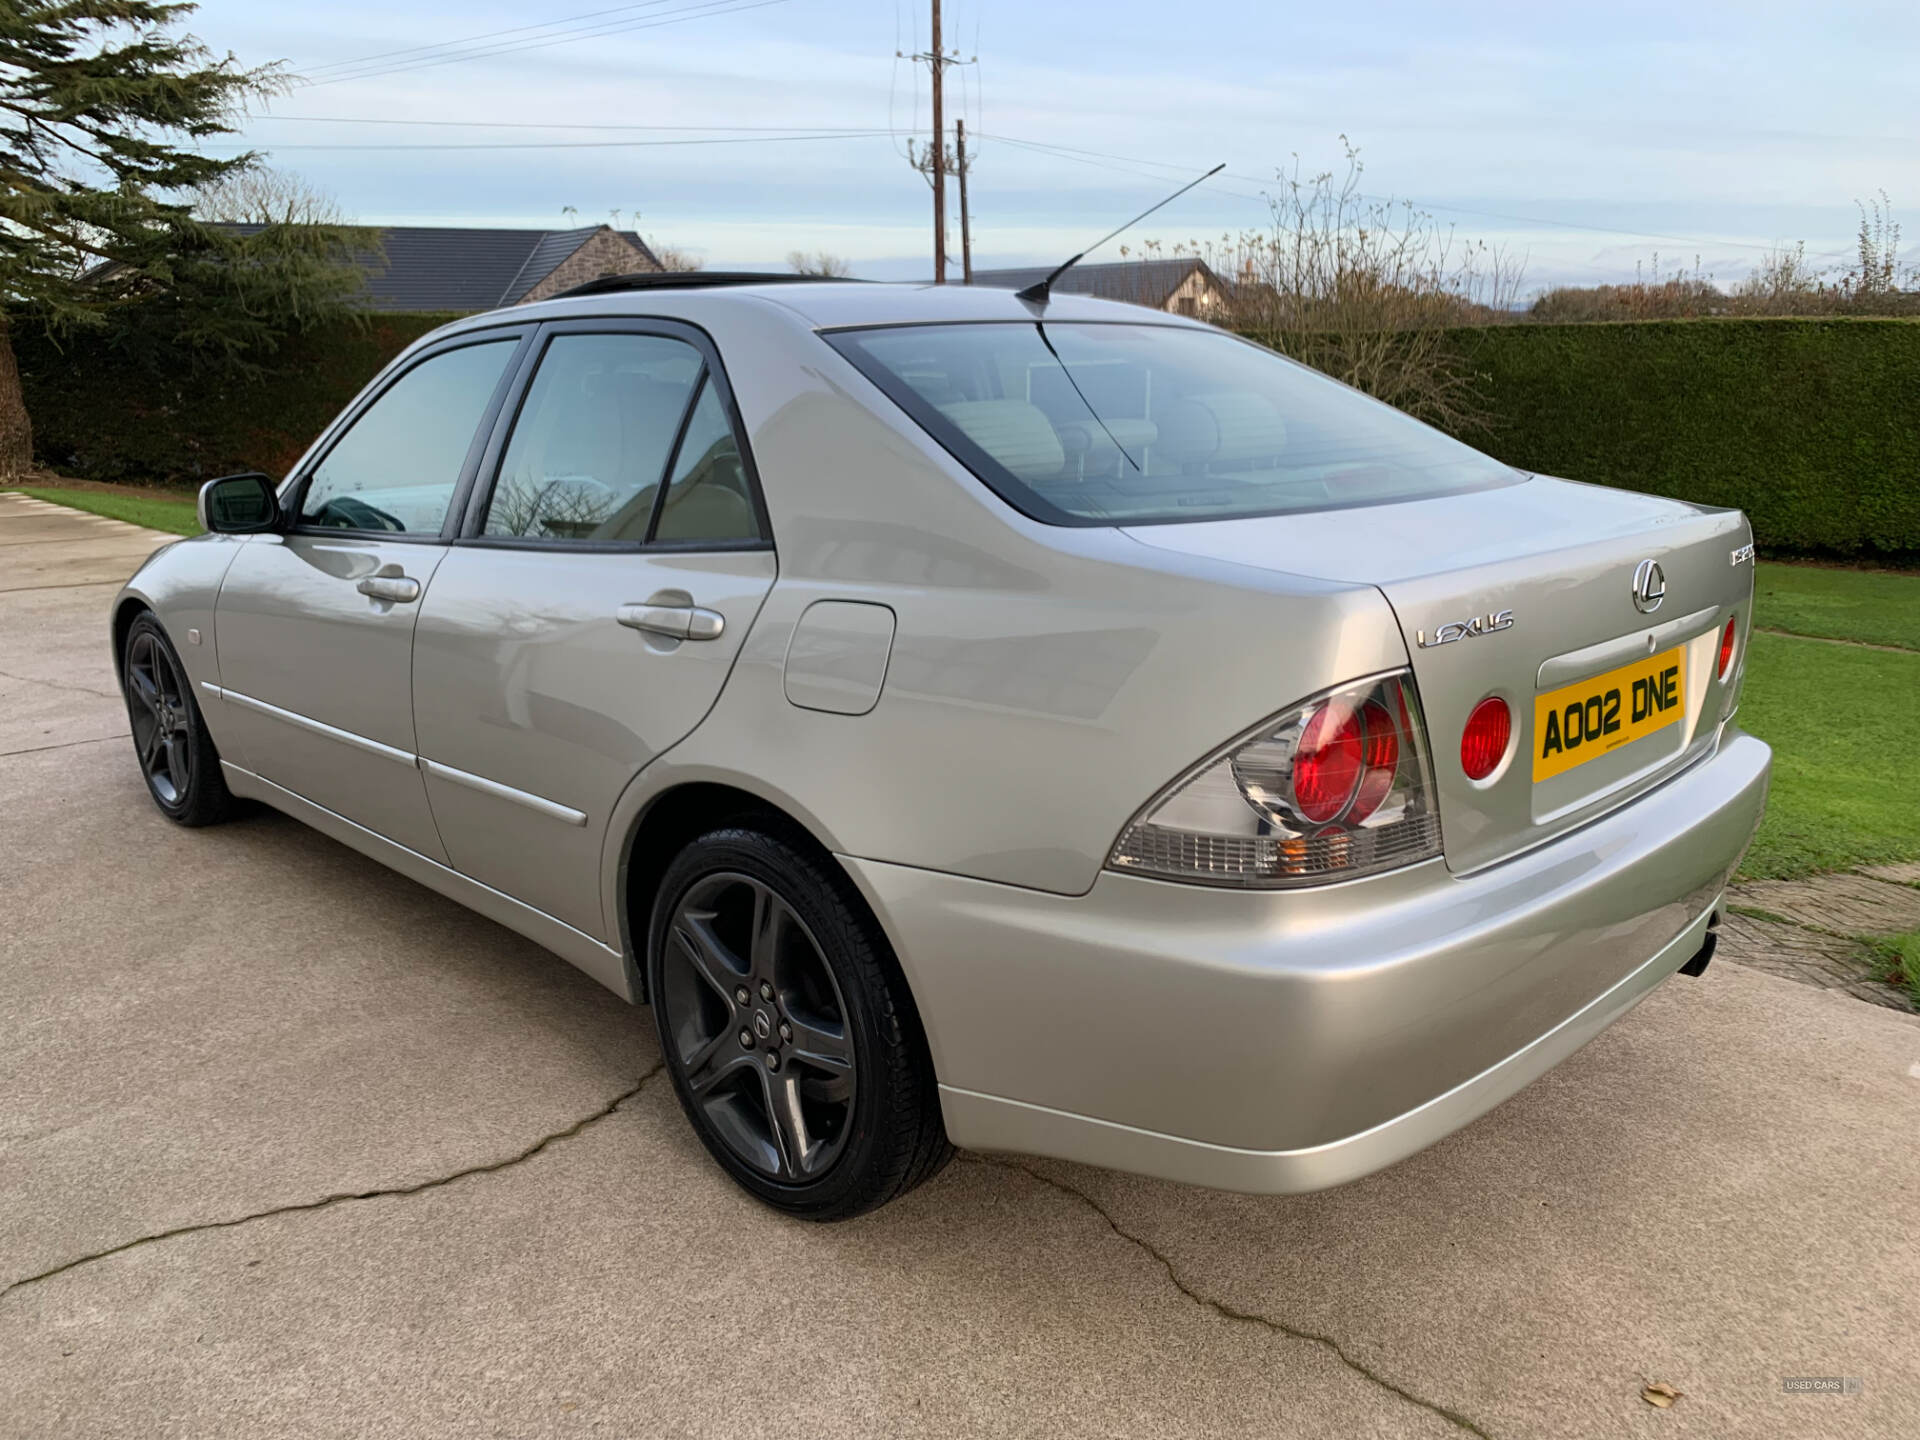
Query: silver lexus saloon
[1040, 726]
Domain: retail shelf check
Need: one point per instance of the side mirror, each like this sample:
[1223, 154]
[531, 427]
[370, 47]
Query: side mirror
[239, 504]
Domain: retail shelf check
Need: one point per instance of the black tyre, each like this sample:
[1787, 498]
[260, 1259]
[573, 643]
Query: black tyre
[177, 758]
[787, 1028]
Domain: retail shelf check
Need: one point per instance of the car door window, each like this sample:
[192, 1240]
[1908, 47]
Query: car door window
[397, 466]
[708, 498]
[594, 438]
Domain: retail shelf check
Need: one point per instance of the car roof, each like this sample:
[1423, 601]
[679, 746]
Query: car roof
[830, 304]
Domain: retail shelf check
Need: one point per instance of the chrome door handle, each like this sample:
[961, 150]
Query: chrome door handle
[675, 622]
[402, 589]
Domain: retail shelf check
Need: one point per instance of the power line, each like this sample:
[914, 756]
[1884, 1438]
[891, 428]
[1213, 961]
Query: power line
[565, 31]
[1122, 164]
[597, 144]
[572, 125]
[447, 45]
[705, 9]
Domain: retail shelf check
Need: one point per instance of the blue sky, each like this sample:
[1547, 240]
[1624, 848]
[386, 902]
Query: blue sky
[1704, 128]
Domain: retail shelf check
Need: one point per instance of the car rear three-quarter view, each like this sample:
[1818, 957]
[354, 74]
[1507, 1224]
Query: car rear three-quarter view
[1041, 726]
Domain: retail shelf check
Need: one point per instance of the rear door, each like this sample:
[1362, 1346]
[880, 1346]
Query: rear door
[314, 627]
[610, 565]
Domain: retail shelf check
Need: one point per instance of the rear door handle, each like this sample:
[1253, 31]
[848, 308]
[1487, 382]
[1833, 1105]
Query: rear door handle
[675, 622]
[401, 589]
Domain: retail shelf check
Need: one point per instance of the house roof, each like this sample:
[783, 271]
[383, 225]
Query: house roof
[444, 267]
[1134, 282]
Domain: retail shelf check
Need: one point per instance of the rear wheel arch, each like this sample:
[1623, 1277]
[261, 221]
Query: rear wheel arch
[681, 814]
[671, 820]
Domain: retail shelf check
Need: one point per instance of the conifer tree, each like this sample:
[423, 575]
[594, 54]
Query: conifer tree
[103, 107]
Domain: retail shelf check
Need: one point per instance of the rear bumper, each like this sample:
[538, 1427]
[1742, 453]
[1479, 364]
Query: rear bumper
[1277, 1042]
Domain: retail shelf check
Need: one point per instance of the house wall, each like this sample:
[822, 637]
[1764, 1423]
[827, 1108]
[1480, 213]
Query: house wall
[1196, 295]
[604, 253]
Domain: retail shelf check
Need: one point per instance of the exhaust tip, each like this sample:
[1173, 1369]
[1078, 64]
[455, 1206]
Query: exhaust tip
[1698, 964]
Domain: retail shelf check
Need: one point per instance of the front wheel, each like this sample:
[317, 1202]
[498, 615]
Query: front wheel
[787, 1029]
[177, 758]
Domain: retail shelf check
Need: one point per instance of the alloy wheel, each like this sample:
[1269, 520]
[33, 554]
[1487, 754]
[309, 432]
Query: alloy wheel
[758, 1027]
[162, 718]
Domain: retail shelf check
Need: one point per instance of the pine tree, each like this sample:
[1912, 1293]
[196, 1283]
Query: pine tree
[102, 106]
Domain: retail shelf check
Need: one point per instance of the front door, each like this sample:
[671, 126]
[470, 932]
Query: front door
[590, 616]
[314, 627]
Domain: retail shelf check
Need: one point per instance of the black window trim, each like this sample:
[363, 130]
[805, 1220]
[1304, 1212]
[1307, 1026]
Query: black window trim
[295, 492]
[487, 477]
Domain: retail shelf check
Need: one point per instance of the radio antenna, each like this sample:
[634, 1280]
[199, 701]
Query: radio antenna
[1042, 292]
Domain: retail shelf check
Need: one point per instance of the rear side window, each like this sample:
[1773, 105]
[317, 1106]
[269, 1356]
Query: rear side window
[396, 467]
[1105, 424]
[607, 419]
[708, 499]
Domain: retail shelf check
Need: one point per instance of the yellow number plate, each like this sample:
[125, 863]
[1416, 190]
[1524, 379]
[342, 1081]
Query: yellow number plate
[1586, 720]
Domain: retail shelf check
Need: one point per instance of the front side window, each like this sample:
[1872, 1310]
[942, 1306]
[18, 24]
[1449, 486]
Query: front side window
[1116, 424]
[607, 420]
[397, 466]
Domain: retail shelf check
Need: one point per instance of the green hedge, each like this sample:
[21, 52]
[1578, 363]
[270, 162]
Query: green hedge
[1810, 426]
[99, 415]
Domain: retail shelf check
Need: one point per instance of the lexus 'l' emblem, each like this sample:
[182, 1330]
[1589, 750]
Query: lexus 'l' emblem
[1649, 586]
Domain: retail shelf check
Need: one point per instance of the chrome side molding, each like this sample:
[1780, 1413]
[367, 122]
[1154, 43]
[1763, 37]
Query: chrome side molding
[552, 809]
[317, 727]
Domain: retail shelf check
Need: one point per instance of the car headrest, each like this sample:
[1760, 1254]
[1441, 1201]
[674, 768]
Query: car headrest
[1225, 426]
[1013, 432]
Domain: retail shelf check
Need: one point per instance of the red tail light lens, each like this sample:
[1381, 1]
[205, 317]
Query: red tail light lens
[1381, 759]
[1484, 741]
[1327, 766]
[1726, 649]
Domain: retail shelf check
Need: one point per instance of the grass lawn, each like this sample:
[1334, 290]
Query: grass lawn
[1844, 724]
[156, 512]
[1875, 606]
[1900, 962]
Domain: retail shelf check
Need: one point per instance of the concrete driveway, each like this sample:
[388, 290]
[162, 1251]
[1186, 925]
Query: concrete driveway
[289, 1145]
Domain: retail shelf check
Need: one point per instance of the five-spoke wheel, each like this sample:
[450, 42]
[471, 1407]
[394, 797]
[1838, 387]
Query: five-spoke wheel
[177, 758]
[162, 723]
[759, 1026]
[787, 1027]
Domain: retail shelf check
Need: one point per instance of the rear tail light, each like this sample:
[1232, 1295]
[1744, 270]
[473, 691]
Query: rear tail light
[1484, 741]
[1726, 649]
[1337, 787]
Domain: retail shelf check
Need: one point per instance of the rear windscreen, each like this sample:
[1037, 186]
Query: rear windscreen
[1115, 424]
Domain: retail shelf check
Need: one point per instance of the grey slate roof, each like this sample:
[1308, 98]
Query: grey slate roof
[1135, 282]
[437, 267]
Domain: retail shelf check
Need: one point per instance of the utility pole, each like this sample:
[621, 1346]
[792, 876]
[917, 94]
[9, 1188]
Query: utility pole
[939, 68]
[966, 231]
[934, 164]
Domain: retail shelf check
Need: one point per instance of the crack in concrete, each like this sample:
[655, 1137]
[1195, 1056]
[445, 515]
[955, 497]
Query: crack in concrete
[1221, 1307]
[57, 685]
[63, 745]
[70, 585]
[326, 1202]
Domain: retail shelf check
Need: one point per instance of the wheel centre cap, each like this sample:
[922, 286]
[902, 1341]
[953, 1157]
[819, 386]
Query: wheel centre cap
[763, 1024]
